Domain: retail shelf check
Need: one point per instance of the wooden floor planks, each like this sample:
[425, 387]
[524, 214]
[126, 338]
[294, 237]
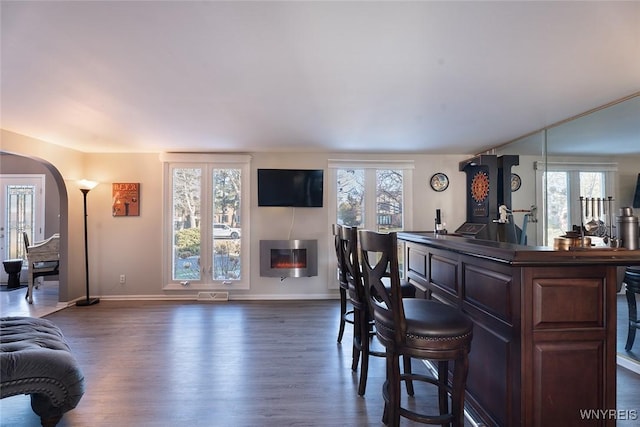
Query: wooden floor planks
[271, 363]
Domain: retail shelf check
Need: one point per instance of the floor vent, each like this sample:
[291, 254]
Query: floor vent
[213, 296]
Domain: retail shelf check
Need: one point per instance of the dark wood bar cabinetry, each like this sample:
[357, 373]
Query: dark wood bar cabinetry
[544, 344]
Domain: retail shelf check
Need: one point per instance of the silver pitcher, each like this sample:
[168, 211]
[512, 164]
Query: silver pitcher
[627, 228]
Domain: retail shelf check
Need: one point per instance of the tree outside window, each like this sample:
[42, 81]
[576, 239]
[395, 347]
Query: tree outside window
[207, 243]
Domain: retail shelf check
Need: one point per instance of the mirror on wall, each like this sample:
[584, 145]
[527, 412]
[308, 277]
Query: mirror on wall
[596, 156]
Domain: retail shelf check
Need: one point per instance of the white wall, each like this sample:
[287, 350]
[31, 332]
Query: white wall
[132, 245]
[125, 245]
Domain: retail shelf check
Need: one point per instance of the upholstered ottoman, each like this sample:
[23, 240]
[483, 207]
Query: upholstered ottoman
[35, 359]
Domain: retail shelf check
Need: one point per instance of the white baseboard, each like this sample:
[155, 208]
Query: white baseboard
[231, 297]
[628, 363]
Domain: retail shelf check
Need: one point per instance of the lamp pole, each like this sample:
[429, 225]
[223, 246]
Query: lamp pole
[87, 301]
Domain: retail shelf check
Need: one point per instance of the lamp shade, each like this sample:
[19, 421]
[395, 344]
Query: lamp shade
[636, 198]
[85, 184]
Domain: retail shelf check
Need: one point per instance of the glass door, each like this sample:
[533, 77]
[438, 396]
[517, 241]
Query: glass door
[21, 210]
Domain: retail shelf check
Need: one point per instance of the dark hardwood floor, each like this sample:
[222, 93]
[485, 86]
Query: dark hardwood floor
[269, 363]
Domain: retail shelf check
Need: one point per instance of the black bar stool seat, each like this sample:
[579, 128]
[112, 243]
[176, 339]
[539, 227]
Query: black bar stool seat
[434, 321]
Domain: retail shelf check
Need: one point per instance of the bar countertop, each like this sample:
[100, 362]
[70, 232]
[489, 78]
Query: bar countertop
[520, 255]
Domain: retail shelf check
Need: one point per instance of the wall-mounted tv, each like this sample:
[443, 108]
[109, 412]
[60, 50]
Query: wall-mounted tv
[290, 187]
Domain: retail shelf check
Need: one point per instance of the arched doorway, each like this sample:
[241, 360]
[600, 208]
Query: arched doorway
[56, 205]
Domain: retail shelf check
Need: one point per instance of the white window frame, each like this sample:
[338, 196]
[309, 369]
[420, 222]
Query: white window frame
[370, 208]
[207, 162]
[573, 170]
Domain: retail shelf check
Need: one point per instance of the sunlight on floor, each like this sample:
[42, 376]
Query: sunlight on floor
[45, 301]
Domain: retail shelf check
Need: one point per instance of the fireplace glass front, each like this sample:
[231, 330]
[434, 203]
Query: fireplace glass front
[288, 258]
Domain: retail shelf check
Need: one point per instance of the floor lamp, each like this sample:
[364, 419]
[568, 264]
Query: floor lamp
[85, 187]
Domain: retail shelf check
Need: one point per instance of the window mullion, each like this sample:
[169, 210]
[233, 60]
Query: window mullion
[206, 232]
[370, 190]
[573, 198]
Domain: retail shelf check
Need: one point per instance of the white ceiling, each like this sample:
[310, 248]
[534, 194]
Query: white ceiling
[386, 76]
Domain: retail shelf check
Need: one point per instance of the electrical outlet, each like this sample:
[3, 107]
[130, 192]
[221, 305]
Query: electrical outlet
[123, 279]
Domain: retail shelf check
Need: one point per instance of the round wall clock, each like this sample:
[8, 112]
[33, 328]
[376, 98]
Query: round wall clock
[516, 182]
[439, 182]
[480, 186]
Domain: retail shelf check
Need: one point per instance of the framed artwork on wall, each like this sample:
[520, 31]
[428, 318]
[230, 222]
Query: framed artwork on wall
[126, 199]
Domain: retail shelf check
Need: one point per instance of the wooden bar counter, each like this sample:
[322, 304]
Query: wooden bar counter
[544, 344]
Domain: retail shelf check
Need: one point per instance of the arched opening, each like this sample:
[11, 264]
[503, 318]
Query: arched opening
[11, 163]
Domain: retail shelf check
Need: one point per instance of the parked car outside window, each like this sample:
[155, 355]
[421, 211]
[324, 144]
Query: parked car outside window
[224, 231]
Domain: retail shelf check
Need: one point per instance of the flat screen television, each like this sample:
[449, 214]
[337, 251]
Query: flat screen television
[290, 187]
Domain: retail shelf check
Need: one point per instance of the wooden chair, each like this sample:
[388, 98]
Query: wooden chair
[418, 328]
[346, 316]
[632, 282]
[364, 328]
[42, 259]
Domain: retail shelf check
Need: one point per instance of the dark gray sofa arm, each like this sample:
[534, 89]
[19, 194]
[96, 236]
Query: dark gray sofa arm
[35, 359]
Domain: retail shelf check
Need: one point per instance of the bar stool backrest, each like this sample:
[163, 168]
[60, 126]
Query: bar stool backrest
[342, 272]
[379, 258]
[349, 244]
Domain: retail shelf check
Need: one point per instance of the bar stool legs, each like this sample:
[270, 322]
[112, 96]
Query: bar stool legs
[345, 315]
[443, 375]
[632, 281]
[633, 319]
[392, 393]
[343, 312]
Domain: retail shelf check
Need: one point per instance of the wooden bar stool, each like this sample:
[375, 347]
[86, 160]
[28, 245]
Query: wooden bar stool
[417, 328]
[363, 328]
[632, 280]
[346, 316]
